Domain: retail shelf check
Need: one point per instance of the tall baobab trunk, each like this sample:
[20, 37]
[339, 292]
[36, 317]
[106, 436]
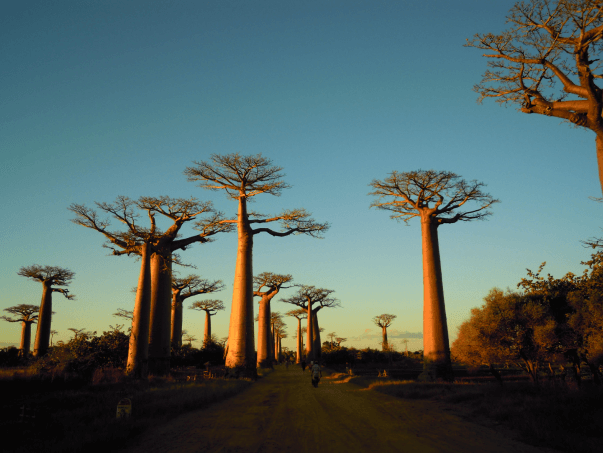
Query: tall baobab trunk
[310, 335]
[280, 350]
[384, 344]
[176, 331]
[207, 333]
[599, 143]
[241, 341]
[436, 348]
[25, 339]
[300, 343]
[276, 356]
[138, 351]
[264, 337]
[160, 319]
[44, 321]
[316, 336]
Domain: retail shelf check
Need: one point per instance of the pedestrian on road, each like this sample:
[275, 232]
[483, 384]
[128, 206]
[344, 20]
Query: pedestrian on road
[303, 365]
[316, 373]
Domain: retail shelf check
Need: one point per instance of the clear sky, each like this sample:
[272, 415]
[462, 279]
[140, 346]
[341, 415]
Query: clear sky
[100, 99]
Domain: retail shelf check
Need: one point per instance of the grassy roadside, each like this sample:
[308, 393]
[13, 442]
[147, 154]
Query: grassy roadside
[84, 418]
[564, 419]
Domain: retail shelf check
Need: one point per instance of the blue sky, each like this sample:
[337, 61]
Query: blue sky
[100, 99]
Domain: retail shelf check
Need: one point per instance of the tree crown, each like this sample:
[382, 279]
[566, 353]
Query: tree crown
[439, 194]
[384, 320]
[211, 306]
[22, 313]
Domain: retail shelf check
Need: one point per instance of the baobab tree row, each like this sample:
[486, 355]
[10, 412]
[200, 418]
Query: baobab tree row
[156, 319]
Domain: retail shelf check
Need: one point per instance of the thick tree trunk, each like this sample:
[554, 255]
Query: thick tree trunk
[264, 359]
[310, 334]
[599, 142]
[44, 321]
[436, 347]
[300, 343]
[176, 331]
[384, 344]
[25, 339]
[138, 352]
[207, 333]
[276, 356]
[160, 320]
[241, 341]
[316, 337]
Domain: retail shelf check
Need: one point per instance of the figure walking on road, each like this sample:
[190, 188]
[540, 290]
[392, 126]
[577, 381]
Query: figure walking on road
[303, 365]
[316, 373]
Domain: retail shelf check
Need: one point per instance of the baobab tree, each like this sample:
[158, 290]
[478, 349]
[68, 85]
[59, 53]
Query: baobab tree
[548, 63]
[244, 177]
[52, 334]
[436, 197]
[50, 277]
[189, 338]
[384, 321]
[182, 289]
[77, 333]
[307, 297]
[267, 286]
[299, 314]
[210, 307]
[280, 332]
[26, 315]
[150, 334]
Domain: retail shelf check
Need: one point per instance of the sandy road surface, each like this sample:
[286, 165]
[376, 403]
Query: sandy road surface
[283, 413]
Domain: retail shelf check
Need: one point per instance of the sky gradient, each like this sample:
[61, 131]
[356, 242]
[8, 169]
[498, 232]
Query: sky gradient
[101, 99]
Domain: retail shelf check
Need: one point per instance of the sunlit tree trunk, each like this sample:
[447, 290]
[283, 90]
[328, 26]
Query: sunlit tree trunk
[310, 335]
[264, 335]
[317, 347]
[161, 297]
[300, 343]
[384, 344]
[44, 321]
[25, 339]
[241, 341]
[599, 143]
[176, 333]
[436, 348]
[138, 351]
[276, 353]
[207, 333]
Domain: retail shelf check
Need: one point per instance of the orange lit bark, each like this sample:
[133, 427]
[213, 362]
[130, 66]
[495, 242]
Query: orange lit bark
[160, 318]
[384, 344]
[310, 335]
[264, 335]
[300, 342]
[435, 329]
[207, 333]
[138, 351]
[42, 340]
[241, 350]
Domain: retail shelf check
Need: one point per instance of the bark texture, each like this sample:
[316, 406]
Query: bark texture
[42, 340]
[160, 317]
[436, 349]
[241, 341]
[138, 351]
[25, 339]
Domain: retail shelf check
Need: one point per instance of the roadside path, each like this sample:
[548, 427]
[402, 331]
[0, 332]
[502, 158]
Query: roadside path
[282, 412]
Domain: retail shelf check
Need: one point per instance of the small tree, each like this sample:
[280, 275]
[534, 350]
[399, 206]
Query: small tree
[436, 197]
[272, 284]
[182, 289]
[26, 315]
[210, 307]
[243, 177]
[50, 277]
[548, 63]
[384, 321]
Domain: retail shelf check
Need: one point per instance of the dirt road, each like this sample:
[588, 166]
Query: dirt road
[282, 412]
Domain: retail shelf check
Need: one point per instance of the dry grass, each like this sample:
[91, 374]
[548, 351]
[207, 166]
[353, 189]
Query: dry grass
[80, 418]
[557, 417]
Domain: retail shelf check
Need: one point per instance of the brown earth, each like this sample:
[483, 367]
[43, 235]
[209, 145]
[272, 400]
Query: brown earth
[282, 412]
